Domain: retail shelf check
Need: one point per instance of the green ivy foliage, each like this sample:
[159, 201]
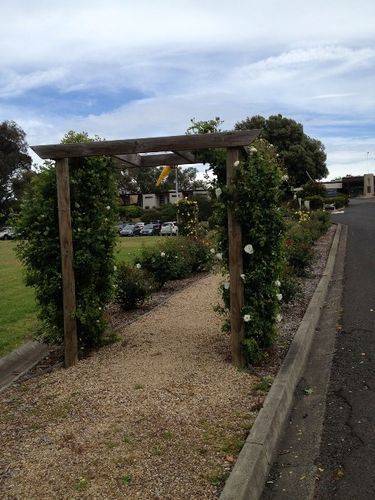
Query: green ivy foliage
[187, 211]
[255, 198]
[94, 215]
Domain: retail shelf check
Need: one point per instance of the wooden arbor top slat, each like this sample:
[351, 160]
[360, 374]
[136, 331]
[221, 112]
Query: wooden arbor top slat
[128, 150]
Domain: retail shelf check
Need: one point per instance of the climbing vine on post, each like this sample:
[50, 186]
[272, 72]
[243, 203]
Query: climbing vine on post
[187, 211]
[94, 215]
[253, 196]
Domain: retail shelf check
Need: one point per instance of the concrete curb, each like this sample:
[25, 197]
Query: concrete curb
[250, 472]
[19, 361]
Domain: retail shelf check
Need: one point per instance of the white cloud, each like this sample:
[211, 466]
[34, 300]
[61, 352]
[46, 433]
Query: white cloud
[314, 62]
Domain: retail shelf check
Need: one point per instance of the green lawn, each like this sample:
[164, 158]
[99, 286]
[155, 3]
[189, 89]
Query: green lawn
[129, 248]
[17, 304]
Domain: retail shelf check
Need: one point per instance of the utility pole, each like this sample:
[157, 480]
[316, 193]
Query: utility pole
[176, 167]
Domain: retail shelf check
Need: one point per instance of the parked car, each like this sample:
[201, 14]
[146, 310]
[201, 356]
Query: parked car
[127, 230]
[148, 230]
[121, 226]
[138, 228]
[329, 206]
[157, 226]
[169, 229]
[7, 233]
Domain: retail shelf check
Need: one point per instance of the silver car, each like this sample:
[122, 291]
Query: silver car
[169, 229]
[127, 230]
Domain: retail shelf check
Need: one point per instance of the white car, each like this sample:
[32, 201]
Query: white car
[7, 233]
[169, 229]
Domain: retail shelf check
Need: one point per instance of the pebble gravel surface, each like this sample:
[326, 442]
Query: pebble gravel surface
[160, 414]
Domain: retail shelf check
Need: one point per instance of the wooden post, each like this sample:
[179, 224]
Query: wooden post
[66, 246]
[235, 270]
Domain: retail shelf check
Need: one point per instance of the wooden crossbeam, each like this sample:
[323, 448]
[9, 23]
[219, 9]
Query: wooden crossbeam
[186, 155]
[148, 145]
[134, 160]
[157, 160]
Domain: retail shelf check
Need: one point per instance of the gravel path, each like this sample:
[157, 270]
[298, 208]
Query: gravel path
[160, 415]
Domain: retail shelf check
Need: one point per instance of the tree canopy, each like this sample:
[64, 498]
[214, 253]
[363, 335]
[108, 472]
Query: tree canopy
[143, 180]
[15, 167]
[303, 157]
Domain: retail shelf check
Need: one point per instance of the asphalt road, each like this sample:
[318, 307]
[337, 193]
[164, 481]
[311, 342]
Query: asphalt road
[347, 451]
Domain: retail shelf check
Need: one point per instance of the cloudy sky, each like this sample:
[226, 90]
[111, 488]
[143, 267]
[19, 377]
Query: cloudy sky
[123, 69]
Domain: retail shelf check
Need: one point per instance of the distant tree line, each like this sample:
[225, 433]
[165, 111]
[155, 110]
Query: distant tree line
[15, 167]
[303, 157]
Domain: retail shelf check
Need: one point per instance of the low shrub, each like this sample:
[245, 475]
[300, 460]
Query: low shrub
[316, 202]
[132, 286]
[318, 224]
[298, 250]
[300, 238]
[341, 200]
[290, 287]
[176, 258]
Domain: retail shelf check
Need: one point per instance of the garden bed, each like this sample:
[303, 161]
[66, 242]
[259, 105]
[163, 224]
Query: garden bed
[161, 414]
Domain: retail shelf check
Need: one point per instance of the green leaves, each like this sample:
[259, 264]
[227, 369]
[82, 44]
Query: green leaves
[94, 215]
[187, 211]
[256, 199]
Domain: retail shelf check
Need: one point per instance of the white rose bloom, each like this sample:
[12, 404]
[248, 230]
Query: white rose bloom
[162, 254]
[236, 163]
[277, 283]
[243, 277]
[219, 256]
[115, 268]
[212, 250]
[226, 285]
[279, 318]
[247, 318]
[138, 265]
[218, 192]
[253, 149]
[279, 296]
[285, 177]
[249, 249]
[108, 207]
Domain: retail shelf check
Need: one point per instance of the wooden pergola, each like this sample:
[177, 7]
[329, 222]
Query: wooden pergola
[148, 152]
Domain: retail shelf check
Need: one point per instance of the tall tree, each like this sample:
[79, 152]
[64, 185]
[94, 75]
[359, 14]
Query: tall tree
[15, 166]
[303, 156]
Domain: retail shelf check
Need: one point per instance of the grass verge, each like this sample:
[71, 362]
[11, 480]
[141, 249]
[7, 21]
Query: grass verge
[17, 302]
